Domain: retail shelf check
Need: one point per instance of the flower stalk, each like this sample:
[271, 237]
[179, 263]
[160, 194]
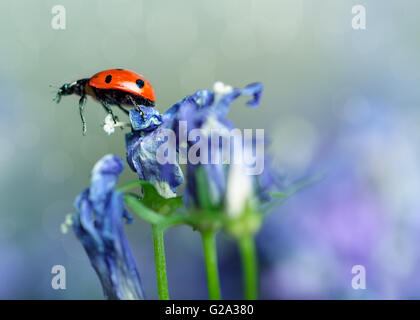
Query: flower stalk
[210, 256]
[160, 262]
[249, 262]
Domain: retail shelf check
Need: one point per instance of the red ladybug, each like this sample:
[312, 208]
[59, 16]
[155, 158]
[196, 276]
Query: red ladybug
[120, 87]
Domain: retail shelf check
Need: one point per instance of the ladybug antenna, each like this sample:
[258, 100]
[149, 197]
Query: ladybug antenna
[58, 93]
[55, 88]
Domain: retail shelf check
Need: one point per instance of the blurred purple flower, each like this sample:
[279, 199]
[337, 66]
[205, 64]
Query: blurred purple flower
[98, 223]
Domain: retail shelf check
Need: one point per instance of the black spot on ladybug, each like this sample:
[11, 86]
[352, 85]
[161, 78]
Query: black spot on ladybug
[108, 78]
[140, 83]
[120, 69]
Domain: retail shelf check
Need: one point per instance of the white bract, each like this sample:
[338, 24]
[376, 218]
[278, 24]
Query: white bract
[68, 223]
[239, 190]
[220, 88]
[109, 125]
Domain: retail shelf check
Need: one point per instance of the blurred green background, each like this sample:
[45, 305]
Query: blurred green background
[326, 86]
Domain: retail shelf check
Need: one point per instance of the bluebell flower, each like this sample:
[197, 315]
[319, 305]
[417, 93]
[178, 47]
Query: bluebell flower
[98, 223]
[204, 110]
[226, 187]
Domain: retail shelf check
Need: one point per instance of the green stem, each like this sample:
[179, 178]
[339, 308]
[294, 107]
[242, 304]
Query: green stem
[249, 261]
[210, 257]
[160, 262]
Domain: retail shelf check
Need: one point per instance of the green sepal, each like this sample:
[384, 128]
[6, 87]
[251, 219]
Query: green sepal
[142, 211]
[246, 224]
[278, 194]
[153, 200]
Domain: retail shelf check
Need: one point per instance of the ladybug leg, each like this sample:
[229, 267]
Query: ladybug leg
[138, 108]
[82, 102]
[141, 112]
[109, 110]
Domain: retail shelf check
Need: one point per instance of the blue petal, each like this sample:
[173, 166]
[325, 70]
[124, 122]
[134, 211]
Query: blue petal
[104, 179]
[150, 119]
[98, 223]
[204, 98]
[141, 156]
[254, 90]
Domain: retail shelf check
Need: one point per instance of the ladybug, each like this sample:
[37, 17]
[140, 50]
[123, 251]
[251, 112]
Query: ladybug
[119, 87]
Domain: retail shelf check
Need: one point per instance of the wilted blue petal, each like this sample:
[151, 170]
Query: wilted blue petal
[184, 110]
[104, 179]
[141, 156]
[203, 98]
[148, 121]
[206, 110]
[98, 223]
[225, 100]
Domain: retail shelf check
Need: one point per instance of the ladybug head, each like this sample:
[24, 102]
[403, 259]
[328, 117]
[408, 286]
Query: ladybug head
[77, 87]
[65, 90]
